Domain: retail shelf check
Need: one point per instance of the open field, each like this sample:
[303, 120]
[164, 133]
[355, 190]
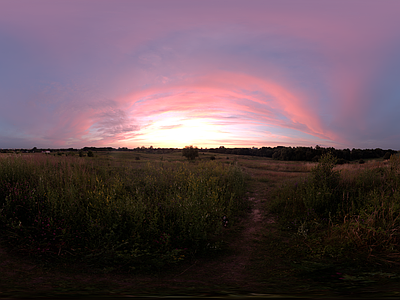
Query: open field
[133, 215]
[125, 223]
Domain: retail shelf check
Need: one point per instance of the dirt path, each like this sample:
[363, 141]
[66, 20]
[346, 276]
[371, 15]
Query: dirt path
[228, 273]
[231, 269]
[258, 259]
[256, 262]
[231, 272]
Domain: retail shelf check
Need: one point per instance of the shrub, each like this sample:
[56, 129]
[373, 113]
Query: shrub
[190, 152]
[341, 161]
[321, 189]
[349, 212]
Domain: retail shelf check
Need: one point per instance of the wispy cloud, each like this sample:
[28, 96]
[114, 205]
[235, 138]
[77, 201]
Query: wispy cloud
[173, 73]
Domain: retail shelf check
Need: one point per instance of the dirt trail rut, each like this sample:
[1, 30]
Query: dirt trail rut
[232, 269]
[229, 270]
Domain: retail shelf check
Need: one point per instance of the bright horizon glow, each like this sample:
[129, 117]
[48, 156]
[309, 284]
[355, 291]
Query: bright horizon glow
[248, 73]
[188, 132]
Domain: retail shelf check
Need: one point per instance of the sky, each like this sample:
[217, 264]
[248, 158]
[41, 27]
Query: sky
[208, 73]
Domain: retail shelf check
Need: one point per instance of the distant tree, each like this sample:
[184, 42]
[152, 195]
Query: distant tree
[341, 161]
[90, 153]
[190, 152]
[81, 154]
[222, 149]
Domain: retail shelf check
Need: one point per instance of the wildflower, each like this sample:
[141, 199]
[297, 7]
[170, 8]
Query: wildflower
[224, 221]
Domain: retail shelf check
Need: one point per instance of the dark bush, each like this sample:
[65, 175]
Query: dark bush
[190, 152]
[342, 161]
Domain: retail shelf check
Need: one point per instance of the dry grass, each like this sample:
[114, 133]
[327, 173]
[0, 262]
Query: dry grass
[94, 207]
[350, 172]
[356, 209]
[277, 166]
[274, 172]
[370, 164]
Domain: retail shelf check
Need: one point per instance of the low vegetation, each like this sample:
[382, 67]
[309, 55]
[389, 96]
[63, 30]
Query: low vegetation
[190, 152]
[323, 228]
[137, 215]
[351, 212]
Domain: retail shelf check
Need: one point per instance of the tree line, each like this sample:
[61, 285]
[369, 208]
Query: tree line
[278, 153]
[307, 153]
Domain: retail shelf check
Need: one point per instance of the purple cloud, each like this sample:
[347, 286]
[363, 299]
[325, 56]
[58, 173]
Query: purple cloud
[251, 73]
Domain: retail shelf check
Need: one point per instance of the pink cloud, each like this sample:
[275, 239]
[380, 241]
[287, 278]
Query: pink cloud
[225, 93]
[121, 67]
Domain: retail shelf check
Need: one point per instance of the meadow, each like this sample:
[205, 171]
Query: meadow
[297, 227]
[345, 211]
[118, 210]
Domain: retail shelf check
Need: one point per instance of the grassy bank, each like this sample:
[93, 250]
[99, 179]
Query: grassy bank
[135, 215]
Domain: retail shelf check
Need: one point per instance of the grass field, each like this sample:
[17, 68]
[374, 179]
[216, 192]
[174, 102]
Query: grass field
[116, 209]
[351, 210]
[308, 228]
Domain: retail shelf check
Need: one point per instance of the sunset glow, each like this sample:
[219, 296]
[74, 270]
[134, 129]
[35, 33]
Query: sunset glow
[206, 73]
[187, 132]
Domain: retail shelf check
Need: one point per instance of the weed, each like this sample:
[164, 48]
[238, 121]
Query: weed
[136, 216]
[342, 213]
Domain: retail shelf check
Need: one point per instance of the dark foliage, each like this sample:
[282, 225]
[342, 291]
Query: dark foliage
[307, 153]
[190, 152]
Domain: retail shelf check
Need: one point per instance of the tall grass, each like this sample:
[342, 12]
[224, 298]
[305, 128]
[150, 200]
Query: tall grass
[136, 217]
[357, 210]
